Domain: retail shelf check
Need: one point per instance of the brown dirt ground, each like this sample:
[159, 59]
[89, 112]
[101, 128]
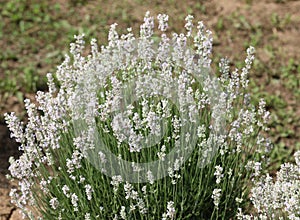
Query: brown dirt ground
[258, 13]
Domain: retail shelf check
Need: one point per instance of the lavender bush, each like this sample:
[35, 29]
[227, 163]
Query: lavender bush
[277, 198]
[140, 129]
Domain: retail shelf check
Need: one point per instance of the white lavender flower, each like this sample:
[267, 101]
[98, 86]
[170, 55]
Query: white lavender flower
[170, 214]
[256, 166]
[218, 174]
[74, 162]
[245, 70]
[150, 177]
[66, 190]
[74, 201]
[116, 180]
[162, 21]
[142, 206]
[189, 25]
[87, 216]
[162, 153]
[123, 212]
[54, 203]
[216, 196]
[88, 190]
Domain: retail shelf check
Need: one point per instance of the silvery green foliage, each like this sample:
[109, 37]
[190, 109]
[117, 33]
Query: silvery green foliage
[54, 174]
[277, 198]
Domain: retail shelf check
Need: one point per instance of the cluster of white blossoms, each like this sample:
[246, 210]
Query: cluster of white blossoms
[278, 198]
[122, 99]
[170, 214]
[216, 197]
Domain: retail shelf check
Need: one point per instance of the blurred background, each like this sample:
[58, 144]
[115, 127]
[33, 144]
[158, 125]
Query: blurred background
[35, 35]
